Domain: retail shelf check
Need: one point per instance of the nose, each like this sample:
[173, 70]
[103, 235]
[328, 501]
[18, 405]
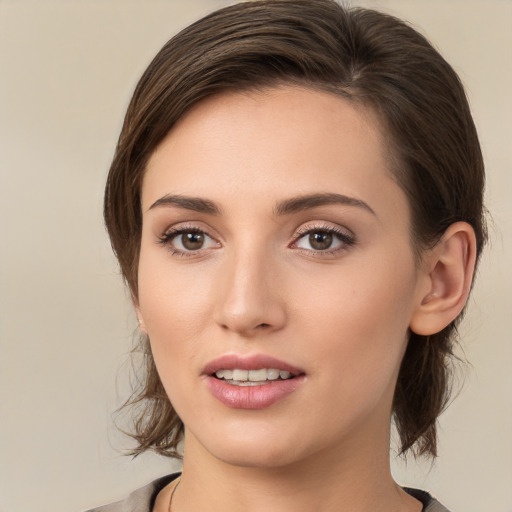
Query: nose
[250, 301]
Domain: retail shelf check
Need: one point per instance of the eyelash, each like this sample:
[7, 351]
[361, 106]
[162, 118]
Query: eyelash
[347, 240]
[166, 238]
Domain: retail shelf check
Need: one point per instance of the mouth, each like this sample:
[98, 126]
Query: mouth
[253, 382]
[260, 377]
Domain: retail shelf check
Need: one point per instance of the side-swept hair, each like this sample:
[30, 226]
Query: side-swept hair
[364, 56]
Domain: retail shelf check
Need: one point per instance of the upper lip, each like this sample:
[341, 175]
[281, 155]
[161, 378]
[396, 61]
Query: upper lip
[253, 362]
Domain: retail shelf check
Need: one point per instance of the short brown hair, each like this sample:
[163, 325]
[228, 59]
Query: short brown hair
[364, 56]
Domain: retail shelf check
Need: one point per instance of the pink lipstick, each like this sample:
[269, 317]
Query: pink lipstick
[253, 382]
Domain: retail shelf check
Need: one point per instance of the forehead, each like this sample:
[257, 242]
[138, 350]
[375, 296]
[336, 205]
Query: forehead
[262, 144]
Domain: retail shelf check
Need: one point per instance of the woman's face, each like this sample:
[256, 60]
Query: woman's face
[276, 277]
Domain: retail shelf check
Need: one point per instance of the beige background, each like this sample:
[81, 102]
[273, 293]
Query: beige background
[67, 70]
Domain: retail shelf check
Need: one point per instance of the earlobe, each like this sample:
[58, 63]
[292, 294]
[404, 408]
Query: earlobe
[142, 327]
[449, 268]
[138, 313]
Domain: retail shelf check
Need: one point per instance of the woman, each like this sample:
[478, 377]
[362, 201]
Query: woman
[296, 205]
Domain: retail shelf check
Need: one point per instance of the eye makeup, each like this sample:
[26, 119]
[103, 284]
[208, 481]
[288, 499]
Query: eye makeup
[319, 239]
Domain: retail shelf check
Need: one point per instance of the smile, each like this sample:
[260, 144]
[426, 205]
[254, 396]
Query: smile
[240, 377]
[251, 382]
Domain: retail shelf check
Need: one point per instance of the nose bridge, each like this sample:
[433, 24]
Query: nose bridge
[250, 300]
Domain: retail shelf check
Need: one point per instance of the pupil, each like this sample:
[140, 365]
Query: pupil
[320, 241]
[192, 241]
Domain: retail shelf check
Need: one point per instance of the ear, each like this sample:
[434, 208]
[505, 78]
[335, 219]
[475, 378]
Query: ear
[449, 269]
[138, 313]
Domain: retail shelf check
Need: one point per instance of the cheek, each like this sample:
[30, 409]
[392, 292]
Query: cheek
[358, 316]
[347, 322]
[174, 306]
[174, 314]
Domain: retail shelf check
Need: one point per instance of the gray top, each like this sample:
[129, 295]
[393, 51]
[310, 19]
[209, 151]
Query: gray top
[143, 499]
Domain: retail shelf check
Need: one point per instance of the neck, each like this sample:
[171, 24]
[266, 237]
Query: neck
[355, 477]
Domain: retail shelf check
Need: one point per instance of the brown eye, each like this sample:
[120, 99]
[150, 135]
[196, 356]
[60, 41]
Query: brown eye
[185, 241]
[328, 240]
[320, 240]
[192, 241]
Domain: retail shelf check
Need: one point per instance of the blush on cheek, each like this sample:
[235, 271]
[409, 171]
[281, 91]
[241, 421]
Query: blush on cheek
[342, 318]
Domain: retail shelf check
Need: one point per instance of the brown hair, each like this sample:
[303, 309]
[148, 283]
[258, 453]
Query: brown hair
[362, 55]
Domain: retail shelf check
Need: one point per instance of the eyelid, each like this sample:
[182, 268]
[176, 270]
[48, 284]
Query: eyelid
[346, 236]
[172, 232]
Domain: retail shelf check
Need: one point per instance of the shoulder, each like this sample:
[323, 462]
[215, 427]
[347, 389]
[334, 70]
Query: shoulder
[141, 500]
[429, 504]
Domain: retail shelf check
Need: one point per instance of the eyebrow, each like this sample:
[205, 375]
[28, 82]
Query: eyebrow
[196, 204]
[286, 207]
[306, 202]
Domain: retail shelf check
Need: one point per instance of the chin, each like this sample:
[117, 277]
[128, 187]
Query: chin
[268, 457]
[257, 449]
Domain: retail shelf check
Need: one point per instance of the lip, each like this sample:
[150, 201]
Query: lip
[254, 362]
[251, 397]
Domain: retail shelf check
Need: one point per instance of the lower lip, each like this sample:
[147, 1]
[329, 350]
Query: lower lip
[252, 397]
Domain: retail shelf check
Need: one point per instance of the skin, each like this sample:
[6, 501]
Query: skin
[257, 286]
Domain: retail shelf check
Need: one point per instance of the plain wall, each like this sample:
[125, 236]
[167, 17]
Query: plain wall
[67, 70]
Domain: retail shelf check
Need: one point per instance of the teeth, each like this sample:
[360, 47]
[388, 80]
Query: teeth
[240, 374]
[245, 376]
[257, 375]
[224, 374]
[272, 374]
